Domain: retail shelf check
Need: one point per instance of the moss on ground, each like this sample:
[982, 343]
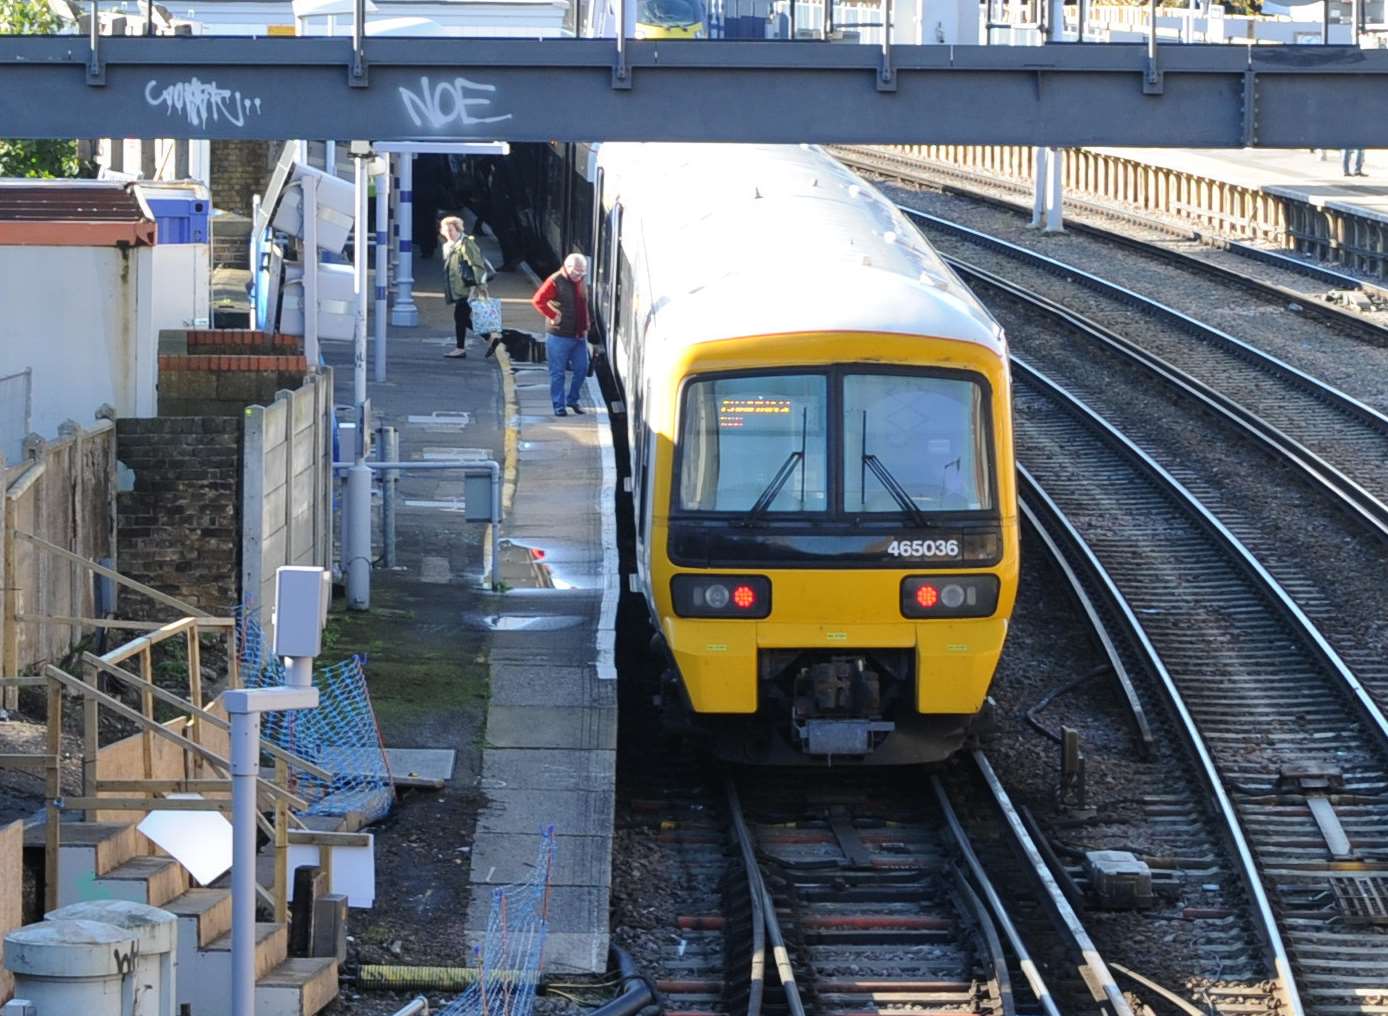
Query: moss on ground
[420, 672]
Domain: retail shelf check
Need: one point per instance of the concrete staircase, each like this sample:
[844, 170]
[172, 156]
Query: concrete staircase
[110, 860]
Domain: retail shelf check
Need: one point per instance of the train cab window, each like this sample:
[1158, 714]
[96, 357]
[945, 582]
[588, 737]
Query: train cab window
[917, 437]
[755, 444]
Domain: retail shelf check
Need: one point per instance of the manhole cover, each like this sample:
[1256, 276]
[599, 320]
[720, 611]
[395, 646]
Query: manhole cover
[1363, 899]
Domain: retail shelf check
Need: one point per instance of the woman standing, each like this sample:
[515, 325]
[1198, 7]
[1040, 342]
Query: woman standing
[464, 276]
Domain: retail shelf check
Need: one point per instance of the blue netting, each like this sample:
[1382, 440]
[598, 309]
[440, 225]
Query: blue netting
[510, 953]
[341, 735]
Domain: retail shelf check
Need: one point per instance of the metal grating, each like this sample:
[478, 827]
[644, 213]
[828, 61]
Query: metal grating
[1362, 899]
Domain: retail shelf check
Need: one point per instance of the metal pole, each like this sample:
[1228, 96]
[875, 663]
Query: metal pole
[394, 217]
[330, 157]
[359, 477]
[621, 38]
[1152, 37]
[382, 253]
[308, 193]
[1054, 217]
[245, 768]
[886, 70]
[1041, 158]
[390, 452]
[405, 314]
[359, 289]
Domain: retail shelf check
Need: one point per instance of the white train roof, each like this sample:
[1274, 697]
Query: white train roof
[770, 239]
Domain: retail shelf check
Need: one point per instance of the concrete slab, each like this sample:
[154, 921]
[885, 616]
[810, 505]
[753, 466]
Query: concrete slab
[549, 769]
[578, 861]
[539, 727]
[528, 811]
[425, 763]
[515, 685]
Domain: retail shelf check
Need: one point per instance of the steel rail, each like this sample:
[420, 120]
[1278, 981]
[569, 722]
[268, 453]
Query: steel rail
[1352, 496]
[1246, 351]
[920, 172]
[756, 895]
[1093, 970]
[1047, 517]
[1286, 606]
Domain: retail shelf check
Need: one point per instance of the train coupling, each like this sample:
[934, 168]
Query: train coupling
[837, 708]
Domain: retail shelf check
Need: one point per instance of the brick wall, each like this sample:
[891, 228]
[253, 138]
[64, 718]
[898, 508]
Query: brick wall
[239, 170]
[179, 529]
[222, 371]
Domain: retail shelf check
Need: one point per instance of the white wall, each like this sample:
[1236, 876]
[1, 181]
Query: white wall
[73, 314]
[182, 296]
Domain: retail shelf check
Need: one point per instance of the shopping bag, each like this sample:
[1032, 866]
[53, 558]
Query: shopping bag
[486, 314]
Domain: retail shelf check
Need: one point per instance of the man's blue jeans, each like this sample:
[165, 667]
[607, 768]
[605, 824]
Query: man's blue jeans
[564, 353]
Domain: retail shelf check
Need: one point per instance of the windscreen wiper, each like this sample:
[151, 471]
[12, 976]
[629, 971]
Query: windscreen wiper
[885, 477]
[763, 503]
[796, 458]
[895, 489]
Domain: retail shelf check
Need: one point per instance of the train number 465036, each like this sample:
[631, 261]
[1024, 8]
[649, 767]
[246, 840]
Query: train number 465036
[923, 548]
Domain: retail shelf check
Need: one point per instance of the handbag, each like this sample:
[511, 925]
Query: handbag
[486, 314]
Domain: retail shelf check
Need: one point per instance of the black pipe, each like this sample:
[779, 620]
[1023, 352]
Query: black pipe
[639, 993]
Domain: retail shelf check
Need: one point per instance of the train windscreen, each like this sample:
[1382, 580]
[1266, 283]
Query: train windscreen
[755, 443]
[923, 435]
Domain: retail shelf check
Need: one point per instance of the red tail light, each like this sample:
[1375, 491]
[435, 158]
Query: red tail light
[949, 595]
[721, 595]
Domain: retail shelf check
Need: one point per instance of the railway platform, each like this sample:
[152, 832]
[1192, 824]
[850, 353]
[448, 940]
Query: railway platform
[1313, 178]
[534, 660]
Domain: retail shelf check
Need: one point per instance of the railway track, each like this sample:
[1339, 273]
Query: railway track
[1333, 596]
[1016, 197]
[861, 893]
[1339, 438]
[1290, 746]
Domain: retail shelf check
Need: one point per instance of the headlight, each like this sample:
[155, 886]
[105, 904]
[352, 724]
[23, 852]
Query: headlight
[746, 596]
[949, 595]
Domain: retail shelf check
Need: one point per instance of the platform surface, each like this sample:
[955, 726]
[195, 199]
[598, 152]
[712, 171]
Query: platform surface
[1297, 173]
[549, 746]
[550, 753]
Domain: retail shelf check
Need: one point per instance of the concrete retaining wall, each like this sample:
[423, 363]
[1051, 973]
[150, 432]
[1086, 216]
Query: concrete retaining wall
[287, 488]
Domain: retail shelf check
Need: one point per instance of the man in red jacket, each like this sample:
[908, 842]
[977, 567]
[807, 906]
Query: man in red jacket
[563, 301]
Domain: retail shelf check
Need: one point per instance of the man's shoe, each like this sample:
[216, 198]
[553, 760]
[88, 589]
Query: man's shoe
[455, 353]
[560, 412]
[575, 407]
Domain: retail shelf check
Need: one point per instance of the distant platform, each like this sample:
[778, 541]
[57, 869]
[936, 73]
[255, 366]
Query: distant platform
[1296, 174]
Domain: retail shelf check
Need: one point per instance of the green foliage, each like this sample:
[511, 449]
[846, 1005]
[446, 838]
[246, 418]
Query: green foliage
[28, 17]
[34, 158]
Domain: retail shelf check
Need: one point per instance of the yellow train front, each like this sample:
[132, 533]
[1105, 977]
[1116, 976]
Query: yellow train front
[821, 458]
[671, 19]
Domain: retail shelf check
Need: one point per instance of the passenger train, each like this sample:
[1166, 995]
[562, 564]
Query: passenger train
[819, 427]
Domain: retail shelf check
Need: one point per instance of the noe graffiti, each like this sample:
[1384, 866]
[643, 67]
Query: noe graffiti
[449, 103]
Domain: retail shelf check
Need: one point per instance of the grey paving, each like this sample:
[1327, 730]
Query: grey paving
[541, 727]
[550, 755]
[528, 811]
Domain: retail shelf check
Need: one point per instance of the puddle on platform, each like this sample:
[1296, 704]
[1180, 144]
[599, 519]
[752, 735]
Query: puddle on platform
[518, 622]
[549, 567]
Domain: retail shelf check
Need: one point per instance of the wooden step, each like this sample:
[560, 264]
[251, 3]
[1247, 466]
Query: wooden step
[297, 987]
[271, 946]
[209, 910]
[152, 880]
[110, 843]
